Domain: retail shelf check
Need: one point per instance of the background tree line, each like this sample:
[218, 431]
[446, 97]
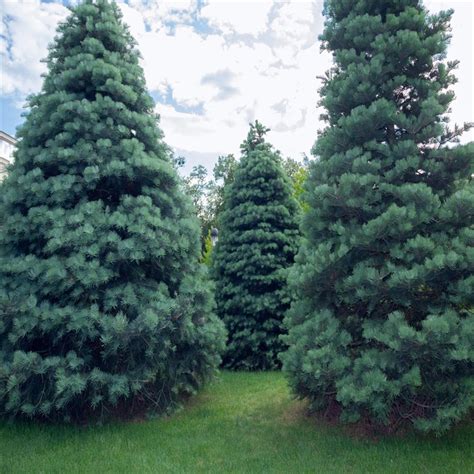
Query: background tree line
[207, 190]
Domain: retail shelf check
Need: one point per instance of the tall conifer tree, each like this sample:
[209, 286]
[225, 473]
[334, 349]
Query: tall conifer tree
[258, 236]
[101, 297]
[383, 321]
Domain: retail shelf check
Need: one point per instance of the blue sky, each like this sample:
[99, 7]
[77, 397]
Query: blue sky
[212, 66]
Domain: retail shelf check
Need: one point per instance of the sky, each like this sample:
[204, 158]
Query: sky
[214, 66]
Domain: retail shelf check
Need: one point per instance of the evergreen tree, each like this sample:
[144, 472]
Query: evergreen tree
[258, 236]
[383, 321]
[102, 300]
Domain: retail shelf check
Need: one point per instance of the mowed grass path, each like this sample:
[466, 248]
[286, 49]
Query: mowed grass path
[243, 422]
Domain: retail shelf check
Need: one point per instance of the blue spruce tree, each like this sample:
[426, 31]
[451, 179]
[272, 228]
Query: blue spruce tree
[383, 324]
[102, 300]
[258, 238]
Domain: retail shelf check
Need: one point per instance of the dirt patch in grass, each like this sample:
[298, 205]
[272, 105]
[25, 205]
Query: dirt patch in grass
[364, 429]
[296, 412]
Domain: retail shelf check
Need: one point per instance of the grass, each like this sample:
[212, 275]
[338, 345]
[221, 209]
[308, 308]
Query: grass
[243, 422]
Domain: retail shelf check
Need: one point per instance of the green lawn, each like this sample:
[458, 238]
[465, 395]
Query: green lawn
[241, 423]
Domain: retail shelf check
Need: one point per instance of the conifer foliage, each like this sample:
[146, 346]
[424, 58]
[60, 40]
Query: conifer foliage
[102, 301]
[383, 325]
[258, 237]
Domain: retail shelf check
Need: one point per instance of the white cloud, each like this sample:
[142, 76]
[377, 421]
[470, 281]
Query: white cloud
[28, 28]
[236, 81]
[295, 23]
[181, 61]
[134, 19]
[259, 60]
[462, 49]
[242, 17]
[159, 14]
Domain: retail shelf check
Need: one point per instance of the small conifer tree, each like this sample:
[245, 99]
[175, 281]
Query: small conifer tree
[102, 300]
[258, 236]
[383, 322]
